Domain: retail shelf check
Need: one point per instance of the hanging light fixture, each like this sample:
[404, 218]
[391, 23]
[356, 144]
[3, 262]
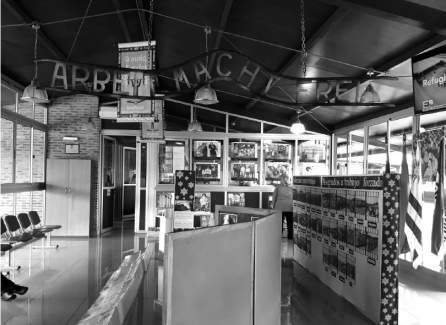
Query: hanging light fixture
[206, 95]
[297, 128]
[370, 95]
[89, 125]
[31, 93]
[194, 126]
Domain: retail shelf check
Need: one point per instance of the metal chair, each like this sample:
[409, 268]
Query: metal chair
[37, 222]
[6, 236]
[27, 227]
[8, 240]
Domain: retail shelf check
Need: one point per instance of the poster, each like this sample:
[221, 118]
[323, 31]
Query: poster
[136, 56]
[207, 149]
[277, 151]
[154, 130]
[182, 205]
[243, 171]
[276, 170]
[207, 171]
[177, 158]
[183, 220]
[312, 153]
[429, 81]
[202, 201]
[236, 199]
[429, 143]
[244, 150]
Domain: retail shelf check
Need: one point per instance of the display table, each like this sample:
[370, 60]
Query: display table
[226, 274]
[346, 234]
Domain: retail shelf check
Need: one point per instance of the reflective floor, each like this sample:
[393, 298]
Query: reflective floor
[64, 283]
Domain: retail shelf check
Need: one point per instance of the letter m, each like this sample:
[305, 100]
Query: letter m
[179, 75]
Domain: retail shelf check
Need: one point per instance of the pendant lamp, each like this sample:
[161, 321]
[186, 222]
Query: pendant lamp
[31, 93]
[297, 128]
[194, 126]
[206, 96]
[89, 125]
[370, 95]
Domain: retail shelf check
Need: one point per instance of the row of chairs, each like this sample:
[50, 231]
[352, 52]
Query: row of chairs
[22, 230]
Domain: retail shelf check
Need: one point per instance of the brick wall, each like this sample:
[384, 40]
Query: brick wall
[65, 118]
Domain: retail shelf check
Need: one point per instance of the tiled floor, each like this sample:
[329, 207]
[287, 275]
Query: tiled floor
[64, 283]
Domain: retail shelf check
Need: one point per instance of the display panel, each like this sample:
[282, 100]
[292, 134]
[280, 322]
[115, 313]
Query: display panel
[236, 199]
[244, 150]
[429, 81]
[172, 156]
[312, 157]
[244, 159]
[208, 161]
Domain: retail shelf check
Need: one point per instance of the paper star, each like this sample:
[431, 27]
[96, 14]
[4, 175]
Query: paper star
[388, 317]
[183, 191]
[394, 311]
[387, 195]
[180, 174]
[186, 178]
[384, 301]
[386, 261]
[389, 268]
[191, 197]
[391, 211]
[390, 240]
[386, 223]
[391, 183]
[388, 175]
[385, 281]
[385, 252]
[191, 185]
[180, 184]
[394, 290]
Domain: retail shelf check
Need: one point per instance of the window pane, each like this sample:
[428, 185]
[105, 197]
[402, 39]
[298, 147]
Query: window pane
[8, 99]
[23, 202]
[377, 158]
[109, 163]
[23, 154]
[38, 203]
[129, 166]
[271, 129]
[399, 128]
[341, 154]
[7, 204]
[40, 113]
[7, 150]
[143, 164]
[356, 162]
[39, 156]
[26, 109]
[211, 121]
[238, 125]
[313, 157]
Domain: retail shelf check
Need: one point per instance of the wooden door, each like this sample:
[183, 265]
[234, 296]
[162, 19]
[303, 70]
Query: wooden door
[57, 194]
[79, 197]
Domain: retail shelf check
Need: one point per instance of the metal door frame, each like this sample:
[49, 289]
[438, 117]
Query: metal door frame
[101, 177]
[129, 217]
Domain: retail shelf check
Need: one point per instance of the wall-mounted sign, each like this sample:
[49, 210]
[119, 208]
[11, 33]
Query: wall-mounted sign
[429, 81]
[230, 66]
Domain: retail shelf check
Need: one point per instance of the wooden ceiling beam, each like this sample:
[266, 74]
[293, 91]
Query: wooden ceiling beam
[122, 21]
[328, 25]
[221, 28]
[401, 11]
[18, 12]
[405, 55]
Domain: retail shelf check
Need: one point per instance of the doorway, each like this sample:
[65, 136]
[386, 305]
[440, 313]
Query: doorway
[129, 185]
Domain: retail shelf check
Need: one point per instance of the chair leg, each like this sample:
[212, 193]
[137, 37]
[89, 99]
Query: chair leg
[10, 267]
[48, 243]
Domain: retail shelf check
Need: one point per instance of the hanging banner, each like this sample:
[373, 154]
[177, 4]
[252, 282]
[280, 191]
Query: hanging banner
[153, 131]
[429, 81]
[184, 192]
[429, 143]
[137, 83]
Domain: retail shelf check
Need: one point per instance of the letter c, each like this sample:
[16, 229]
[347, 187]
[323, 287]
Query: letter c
[218, 64]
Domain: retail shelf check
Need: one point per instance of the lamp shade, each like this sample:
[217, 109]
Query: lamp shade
[194, 126]
[297, 128]
[89, 125]
[34, 95]
[370, 95]
[206, 96]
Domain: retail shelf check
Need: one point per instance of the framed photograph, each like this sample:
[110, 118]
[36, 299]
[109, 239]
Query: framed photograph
[244, 150]
[205, 221]
[227, 218]
[207, 170]
[312, 153]
[244, 171]
[72, 148]
[202, 201]
[277, 151]
[182, 205]
[207, 149]
[276, 170]
[236, 199]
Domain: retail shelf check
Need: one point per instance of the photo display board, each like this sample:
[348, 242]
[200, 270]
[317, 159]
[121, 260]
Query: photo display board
[345, 233]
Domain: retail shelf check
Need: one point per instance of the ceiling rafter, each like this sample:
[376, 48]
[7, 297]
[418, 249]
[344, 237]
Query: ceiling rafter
[406, 55]
[401, 11]
[121, 17]
[221, 28]
[142, 19]
[328, 25]
[18, 12]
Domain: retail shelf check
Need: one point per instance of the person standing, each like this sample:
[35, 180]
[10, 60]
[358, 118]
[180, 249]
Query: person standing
[283, 201]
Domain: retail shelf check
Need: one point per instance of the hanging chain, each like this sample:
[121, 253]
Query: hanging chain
[36, 26]
[150, 25]
[304, 52]
[207, 31]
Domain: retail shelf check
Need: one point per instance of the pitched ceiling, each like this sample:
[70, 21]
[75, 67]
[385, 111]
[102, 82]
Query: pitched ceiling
[343, 37]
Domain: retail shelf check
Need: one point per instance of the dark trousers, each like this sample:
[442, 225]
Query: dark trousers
[289, 222]
[7, 284]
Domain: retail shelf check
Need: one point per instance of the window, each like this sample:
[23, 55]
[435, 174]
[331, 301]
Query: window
[38, 156]
[399, 130]
[356, 158]
[38, 203]
[238, 125]
[109, 163]
[313, 157]
[377, 157]
[7, 151]
[23, 202]
[23, 154]
[7, 204]
[8, 99]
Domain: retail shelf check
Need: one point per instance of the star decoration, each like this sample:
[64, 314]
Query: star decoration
[183, 191]
[389, 268]
[186, 178]
[191, 185]
[180, 184]
[384, 301]
[391, 211]
[179, 174]
[390, 240]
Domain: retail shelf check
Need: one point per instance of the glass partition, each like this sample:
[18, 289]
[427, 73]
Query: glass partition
[207, 157]
[172, 156]
[23, 154]
[244, 159]
[109, 162]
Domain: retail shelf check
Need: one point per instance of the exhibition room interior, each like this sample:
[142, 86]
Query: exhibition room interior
[154, 133]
